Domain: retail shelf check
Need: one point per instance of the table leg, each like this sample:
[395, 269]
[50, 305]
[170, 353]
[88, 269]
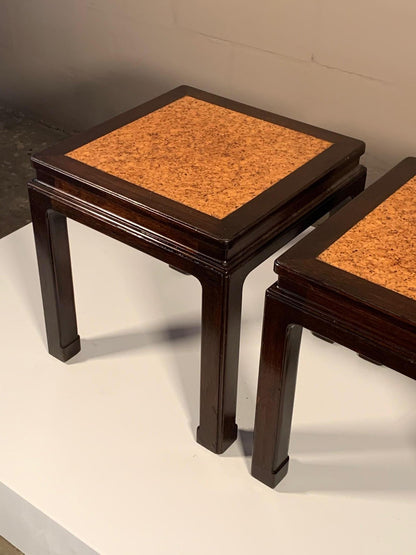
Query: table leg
[276, 392]
[54, 262]
[220, 341]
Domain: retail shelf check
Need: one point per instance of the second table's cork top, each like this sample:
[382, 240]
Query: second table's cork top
[202, 155]
[381, 248]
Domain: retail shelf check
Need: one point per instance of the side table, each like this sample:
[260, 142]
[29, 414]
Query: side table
[210, 186]
[352, 280]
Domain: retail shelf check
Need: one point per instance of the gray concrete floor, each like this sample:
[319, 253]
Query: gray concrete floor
[6, 548]
[20, 135]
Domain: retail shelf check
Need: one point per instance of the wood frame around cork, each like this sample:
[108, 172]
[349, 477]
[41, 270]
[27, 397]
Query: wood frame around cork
[218, 252]
[338, 158]
[303, 259]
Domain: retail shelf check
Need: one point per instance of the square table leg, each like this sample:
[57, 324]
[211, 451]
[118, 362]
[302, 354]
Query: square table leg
[54, 262]
[221, 322]
[276, 392]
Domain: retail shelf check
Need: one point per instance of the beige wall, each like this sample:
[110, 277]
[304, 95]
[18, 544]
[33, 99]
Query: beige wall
[348, 66]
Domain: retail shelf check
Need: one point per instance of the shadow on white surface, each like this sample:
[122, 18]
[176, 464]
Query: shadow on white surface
[106, 345]
[344, 440]
[357, 476]
[326, 473]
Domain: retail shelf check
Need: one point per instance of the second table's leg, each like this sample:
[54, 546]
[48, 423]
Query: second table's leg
[221, 321]
[276, 392]
[52, 248]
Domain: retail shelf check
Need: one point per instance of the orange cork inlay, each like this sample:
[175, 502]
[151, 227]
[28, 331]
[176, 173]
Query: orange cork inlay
[202, 155]
[381, 248]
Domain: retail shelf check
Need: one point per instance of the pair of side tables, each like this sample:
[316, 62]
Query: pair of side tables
[213, 187]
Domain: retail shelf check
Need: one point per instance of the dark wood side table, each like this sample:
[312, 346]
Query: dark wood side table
[210, 186]
[352, 280]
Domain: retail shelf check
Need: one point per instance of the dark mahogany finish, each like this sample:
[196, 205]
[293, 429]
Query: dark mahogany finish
[367, 318]
[218, 252]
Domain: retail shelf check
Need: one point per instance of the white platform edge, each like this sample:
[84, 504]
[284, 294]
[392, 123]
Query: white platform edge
[33, 532]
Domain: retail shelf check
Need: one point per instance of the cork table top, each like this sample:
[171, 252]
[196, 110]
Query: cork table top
[202, 155]
[381, 248]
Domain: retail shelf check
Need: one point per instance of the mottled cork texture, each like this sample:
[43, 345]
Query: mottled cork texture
[202, 155]
[381, 248]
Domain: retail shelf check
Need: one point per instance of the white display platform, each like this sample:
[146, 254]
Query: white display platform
[98, 455]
